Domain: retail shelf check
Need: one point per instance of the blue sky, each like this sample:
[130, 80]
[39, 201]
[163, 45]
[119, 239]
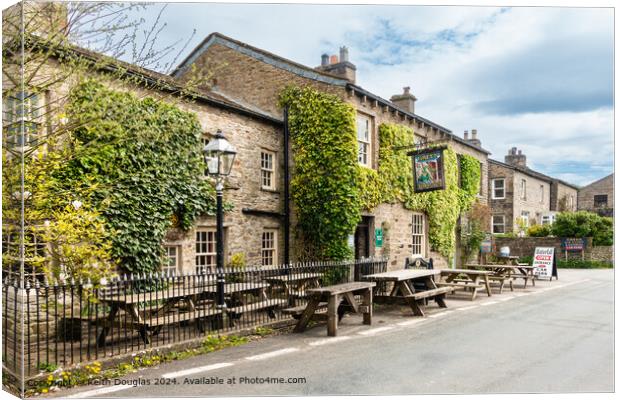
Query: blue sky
[538, 78]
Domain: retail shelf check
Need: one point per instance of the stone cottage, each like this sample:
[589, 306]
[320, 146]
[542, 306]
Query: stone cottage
[598, 197]
[255, 78]
[520, 197]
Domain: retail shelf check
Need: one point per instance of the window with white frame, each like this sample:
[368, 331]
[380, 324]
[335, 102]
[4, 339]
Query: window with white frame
[418, 235]
[547, 219]
[498, 188]
[172, 259]
[205, 250]
[267, 169]
[523, 189]
[499, 224]
[571, 202]
[525, 218]
[542, 194]
[21, 111]
[364, 127]
[269, 247]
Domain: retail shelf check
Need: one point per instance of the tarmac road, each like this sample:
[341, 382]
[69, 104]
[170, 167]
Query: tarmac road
[556, 337]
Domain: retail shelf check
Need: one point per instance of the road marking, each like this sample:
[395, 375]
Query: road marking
[410, 322]
[506, 298]
[376, 330]
[95, 392]
[330, 340]
[467, 308]
[196, 370]
[440, 314]
[273, 354]
[488, 303]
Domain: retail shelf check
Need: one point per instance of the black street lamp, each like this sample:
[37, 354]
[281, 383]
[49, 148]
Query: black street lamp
[219, 156]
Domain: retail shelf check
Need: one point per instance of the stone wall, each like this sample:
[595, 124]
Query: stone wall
[525, 247]
[563, 197]
[535, 202]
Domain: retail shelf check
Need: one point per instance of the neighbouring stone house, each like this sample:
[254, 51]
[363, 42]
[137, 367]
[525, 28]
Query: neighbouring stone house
[598, 197]
[255, 78]
[520, 197]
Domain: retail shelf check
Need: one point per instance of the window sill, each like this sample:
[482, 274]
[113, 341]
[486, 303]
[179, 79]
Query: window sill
[276, 191]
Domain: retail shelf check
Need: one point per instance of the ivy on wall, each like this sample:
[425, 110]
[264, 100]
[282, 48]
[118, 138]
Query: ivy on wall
[142, 160]
[330, 189]
[324, 184]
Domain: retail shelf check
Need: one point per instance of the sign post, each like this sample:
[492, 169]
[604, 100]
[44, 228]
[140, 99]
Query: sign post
[544, 263]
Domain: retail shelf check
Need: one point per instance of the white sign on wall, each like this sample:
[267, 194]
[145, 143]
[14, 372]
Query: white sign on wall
[543, 262]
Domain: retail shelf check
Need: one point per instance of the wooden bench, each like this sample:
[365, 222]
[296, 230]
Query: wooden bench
[334, 295]
[432, 293]
[269, 305]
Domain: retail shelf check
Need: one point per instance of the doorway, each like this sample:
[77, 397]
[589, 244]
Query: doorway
[362, 237]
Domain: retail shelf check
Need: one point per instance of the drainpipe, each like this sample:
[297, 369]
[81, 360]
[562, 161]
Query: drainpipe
[287, 215]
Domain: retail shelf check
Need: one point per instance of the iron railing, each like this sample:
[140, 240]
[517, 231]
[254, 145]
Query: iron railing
[62, 323]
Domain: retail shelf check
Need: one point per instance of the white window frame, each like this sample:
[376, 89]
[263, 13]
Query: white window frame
[364, 139]
[267, 169]
[418, 235]
[525, 216]
[502, 224]
[206, 250]
[18, 112]
[523, 190]
[542, 194]
[166, 266]
[269, 247]
[494, 188]
[550, 219]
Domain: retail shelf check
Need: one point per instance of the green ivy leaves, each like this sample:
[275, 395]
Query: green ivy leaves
[145, 158]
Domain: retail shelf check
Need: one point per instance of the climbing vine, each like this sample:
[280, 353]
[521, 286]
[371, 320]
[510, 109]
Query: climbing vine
[330, 188]
[142, 160]
[325, 182]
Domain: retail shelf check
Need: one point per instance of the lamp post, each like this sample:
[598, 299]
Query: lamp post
[219, 156]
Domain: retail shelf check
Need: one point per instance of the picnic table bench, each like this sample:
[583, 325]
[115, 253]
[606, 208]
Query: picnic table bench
[294, 285]
[333, 296]
[468, 279]
[514, 271]
[173, 304]
[404, 288]
[237, 299]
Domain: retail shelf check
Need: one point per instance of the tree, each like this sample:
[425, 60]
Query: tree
[584, 224]
[48, 47]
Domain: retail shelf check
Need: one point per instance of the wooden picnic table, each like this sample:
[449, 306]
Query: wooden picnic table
[149, 320]
[404, 289]
[509, 260]
[334, 295]
[518, 271]
[467, 279]
[294, 285]
[237, 299]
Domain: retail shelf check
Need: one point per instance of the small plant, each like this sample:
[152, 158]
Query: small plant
[539, 230]
[47, 367]
[263, 331]
[237, 267]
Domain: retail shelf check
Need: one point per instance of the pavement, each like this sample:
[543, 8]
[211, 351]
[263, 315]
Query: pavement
[555, 337]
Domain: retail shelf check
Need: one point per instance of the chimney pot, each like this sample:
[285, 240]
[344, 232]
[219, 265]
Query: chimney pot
[333, 59]
[519, 152]
[324, 59]
[474, 134]
[466, 135]
[344, 54]
[406, 89]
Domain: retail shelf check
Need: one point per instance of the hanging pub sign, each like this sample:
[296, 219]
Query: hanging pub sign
[544, 263]
[428, 172]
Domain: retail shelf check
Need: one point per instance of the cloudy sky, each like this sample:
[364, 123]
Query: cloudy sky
[538, 78]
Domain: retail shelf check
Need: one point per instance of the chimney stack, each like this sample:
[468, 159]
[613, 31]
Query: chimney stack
[474, 137]
[406, 100]
[516, 158]
[324, 59]
[344, 54]
[340, 66]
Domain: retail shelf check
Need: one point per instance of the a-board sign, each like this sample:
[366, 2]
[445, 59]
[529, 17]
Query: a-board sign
[378, 237]
[544, 263]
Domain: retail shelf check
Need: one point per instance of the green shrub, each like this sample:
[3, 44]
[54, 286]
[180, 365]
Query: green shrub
[584, 224]
[539, 230]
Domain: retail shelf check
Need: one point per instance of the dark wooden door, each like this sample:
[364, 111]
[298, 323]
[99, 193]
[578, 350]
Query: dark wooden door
[362, 238]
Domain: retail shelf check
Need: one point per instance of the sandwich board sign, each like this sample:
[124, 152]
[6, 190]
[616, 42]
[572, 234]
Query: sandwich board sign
[544, 263]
